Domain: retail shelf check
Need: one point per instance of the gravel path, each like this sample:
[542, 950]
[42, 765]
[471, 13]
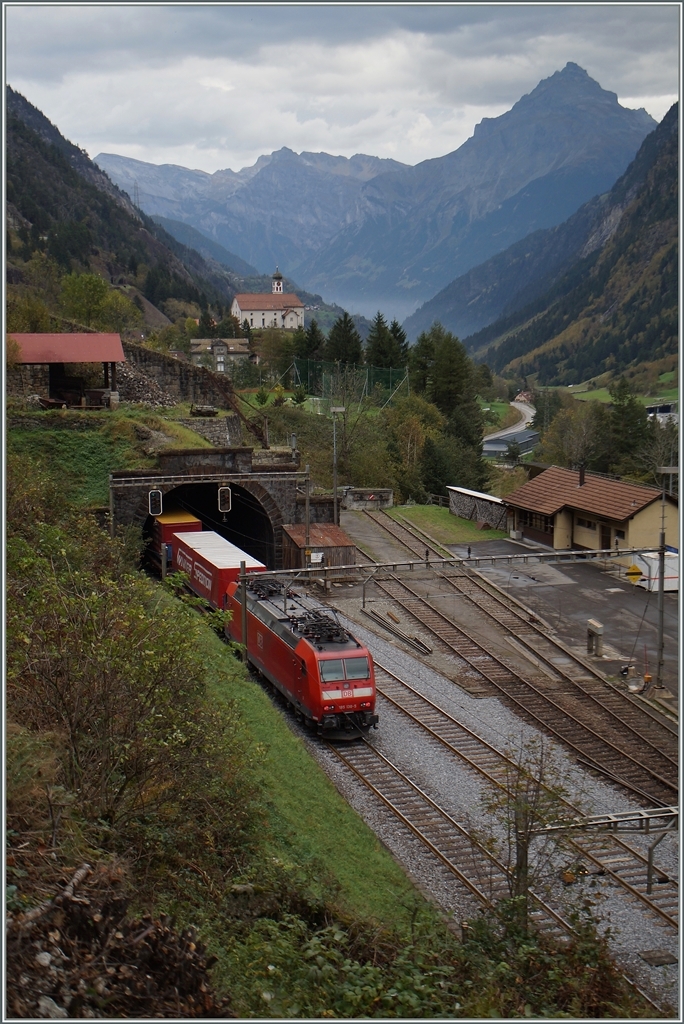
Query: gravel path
[459, 790]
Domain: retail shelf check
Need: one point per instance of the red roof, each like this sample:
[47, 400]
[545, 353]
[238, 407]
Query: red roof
[558, 488]
[266, 301]
[322, 535]
[70, 348]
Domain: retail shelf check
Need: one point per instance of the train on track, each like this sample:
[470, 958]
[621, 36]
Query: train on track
[323, 672]
[317, 665]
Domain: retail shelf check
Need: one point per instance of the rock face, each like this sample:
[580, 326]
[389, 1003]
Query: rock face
[280, 211]
[372, 231]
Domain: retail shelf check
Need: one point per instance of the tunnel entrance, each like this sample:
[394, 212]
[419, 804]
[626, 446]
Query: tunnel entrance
[247, 525]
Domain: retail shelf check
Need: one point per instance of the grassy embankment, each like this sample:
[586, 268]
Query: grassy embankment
[443, 526]
[311, 822]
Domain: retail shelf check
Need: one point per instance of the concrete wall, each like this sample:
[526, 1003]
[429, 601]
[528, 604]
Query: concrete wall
[478, 509]
[367, 497]
[562, 529]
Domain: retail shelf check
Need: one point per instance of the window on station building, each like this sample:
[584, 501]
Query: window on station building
[588, 524]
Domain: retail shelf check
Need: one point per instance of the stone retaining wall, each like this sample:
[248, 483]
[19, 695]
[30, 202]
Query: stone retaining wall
[221, 431]
[478, 509]
[183, 381]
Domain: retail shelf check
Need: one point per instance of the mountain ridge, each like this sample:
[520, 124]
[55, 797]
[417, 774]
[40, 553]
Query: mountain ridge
[404, 232]
[616, 305]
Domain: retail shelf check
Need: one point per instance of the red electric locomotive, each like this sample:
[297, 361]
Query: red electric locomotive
[322, 671]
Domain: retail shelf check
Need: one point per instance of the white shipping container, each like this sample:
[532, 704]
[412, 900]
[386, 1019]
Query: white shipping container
[649, 565]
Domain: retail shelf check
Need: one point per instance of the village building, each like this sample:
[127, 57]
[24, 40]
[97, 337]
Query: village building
[565, 508]
[279, 309]
[221, 353]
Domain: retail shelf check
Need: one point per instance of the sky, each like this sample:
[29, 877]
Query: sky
[213, 86]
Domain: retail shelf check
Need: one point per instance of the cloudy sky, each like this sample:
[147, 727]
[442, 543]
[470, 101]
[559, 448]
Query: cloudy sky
[215, 86]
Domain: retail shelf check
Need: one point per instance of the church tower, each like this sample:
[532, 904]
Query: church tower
[277, 283]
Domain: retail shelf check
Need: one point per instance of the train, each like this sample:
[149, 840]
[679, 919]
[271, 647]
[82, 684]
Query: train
[324, 673]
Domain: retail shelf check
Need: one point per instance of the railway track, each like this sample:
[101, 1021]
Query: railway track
[608, 853]
[476, 868]
[414, 544]
[577, 718]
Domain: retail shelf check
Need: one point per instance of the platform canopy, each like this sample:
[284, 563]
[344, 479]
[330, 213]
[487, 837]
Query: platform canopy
[69, 348]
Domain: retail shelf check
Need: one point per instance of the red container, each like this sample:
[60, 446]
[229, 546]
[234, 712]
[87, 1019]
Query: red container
[163, 529]
[211, 563]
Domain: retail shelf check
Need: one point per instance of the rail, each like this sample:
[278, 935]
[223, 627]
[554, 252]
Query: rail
[629, 869]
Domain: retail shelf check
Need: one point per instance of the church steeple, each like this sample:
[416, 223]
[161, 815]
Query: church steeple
[277, 283]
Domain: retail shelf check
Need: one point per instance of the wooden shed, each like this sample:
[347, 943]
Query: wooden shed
[329, 545]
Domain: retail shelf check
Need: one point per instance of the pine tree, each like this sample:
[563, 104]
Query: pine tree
[344, 341]
[399, 335]
[380, 344]
[310, 343]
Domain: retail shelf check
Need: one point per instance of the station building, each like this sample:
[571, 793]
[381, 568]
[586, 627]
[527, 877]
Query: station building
[565, 508]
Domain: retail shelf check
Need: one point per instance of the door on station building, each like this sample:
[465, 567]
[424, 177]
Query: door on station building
[605, 536]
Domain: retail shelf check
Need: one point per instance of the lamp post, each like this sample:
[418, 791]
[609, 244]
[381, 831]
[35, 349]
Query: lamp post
[334, 409]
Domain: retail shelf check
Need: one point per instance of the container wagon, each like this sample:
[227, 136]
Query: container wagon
[211, 563]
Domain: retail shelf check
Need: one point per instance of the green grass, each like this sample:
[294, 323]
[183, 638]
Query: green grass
[312, 824]
[443, 526]
[603, 395]
[86, 447]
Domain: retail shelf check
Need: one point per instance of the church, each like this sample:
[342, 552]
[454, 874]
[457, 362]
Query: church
[279, 309]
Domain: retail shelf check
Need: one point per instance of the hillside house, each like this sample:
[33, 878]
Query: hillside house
[279, 309]
[219, 354]
[565, 508]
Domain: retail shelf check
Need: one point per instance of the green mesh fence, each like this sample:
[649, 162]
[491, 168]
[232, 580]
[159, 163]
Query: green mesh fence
[325, 379]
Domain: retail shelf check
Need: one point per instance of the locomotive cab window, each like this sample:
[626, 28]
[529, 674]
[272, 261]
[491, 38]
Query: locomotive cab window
[357, 668]
[331, 670]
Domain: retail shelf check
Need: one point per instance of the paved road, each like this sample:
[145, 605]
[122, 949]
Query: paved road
[526, 416]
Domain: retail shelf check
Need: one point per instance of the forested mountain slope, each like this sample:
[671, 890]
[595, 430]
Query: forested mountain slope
[615, 307]
[60, 203]
[512, 279]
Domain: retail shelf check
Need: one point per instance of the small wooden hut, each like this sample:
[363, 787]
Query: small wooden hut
[328, 545]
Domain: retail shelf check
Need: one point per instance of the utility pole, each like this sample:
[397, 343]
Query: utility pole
[334, 410]
[307, 520]
[661, 599]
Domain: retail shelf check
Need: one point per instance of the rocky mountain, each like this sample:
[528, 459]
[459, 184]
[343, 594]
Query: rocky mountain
[372, 234]
[566, 141]
[513, 278]
[279, 211]
[616, 305]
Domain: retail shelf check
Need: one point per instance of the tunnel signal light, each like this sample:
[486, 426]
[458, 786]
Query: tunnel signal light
[154, 499]
[224, 499]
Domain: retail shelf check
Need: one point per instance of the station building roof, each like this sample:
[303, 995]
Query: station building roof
[557, 488]
[69, 348]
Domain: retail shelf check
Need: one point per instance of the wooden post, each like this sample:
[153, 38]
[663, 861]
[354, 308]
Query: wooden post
[106, 374]
[113, 376]
[243, 609]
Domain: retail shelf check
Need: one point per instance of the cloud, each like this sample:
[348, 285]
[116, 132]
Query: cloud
[216, 86]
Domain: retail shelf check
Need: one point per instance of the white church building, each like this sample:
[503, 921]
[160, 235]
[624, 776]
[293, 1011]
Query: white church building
[279, 309]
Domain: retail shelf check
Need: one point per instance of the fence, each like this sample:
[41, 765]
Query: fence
[326, 379]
